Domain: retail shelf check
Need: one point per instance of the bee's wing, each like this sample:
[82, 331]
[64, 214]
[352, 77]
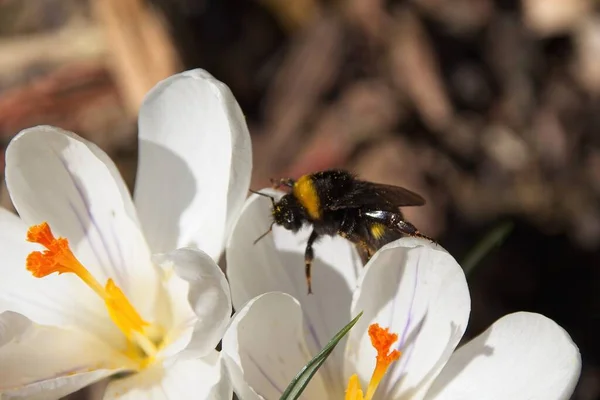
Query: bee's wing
[377, 195]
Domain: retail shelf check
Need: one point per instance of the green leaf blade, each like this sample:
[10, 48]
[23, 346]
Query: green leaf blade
[494, 238]
[301, 380]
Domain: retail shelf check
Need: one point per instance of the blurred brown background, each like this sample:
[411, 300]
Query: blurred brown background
[490, 109]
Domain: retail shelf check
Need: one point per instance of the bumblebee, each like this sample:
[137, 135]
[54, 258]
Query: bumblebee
[335, 202]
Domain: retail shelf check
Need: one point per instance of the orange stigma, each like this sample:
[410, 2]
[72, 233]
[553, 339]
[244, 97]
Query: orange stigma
[59, 258]
[382, 340]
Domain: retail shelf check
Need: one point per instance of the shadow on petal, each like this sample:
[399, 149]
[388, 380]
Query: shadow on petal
[325, 311]
[420, 293]
[265, 348]
[57, 177]
[165, 188]
[478, 348]
[276, 263]
[525, 356]
[431, 376]
[197, 117]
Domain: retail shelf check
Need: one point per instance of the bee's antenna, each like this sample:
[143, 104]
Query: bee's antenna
[264, 195]
[265, 234]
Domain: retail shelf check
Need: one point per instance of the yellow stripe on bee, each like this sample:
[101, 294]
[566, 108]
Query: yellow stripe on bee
[377, 230]
[305, 191]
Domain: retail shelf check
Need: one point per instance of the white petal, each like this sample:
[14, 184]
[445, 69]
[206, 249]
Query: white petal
[58, 177]
[198, 293]
[276, 263]
[47, 301]
[195, 163]
[179, 379]
[57, 388]
[521, 356]
[12, 326]
[419, 291]
[48, 362]
[264, 349]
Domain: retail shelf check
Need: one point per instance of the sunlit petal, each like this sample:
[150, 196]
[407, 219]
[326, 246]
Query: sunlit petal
[198, 300]
[47, 301]
[417, 290]
[48, 362]
[276, 263]
[177, 379]
[264, 348]
[521, 356]
[195, 163]
[57, 177]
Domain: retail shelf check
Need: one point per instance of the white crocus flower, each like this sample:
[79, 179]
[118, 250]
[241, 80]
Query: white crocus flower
[112, 307]
[411, 286]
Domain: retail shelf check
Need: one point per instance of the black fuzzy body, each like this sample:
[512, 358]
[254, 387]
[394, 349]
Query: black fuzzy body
[335, 202]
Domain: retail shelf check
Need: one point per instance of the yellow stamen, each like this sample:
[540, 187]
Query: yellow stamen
[382, 341]
[353, 391]
[59, 258]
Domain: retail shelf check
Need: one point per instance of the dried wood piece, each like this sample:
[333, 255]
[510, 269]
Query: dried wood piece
[463, 137]
[398, 162]
[510, 52]
[506, 148]
[32, 17]
[460, 16]
[75, 42]
[365, 111]
[551, 17]
[80, 97]
[296, 14]
[583, 221]
[587, 67]
[553, 146]
[415, 70]
[369, 15]
[308, 71]
[141, 50]
[592, 170]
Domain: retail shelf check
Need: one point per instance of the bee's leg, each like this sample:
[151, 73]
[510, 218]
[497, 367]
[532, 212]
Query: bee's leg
[396, 221]
[308, 258]
[347, 230]
[289, 182]
[409, 229]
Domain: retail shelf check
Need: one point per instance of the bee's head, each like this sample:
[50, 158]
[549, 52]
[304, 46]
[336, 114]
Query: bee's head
[287, 213]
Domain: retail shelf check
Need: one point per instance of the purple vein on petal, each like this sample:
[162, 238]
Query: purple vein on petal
[92, 220]
[406, 353]
[306, 320]
[86, 317]
[263, 373]
[97, 229]
[124, 266]
[410, 309]
[393, 309]
[327, 374]
[311, 328]
[312, 331]
[92, 243]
